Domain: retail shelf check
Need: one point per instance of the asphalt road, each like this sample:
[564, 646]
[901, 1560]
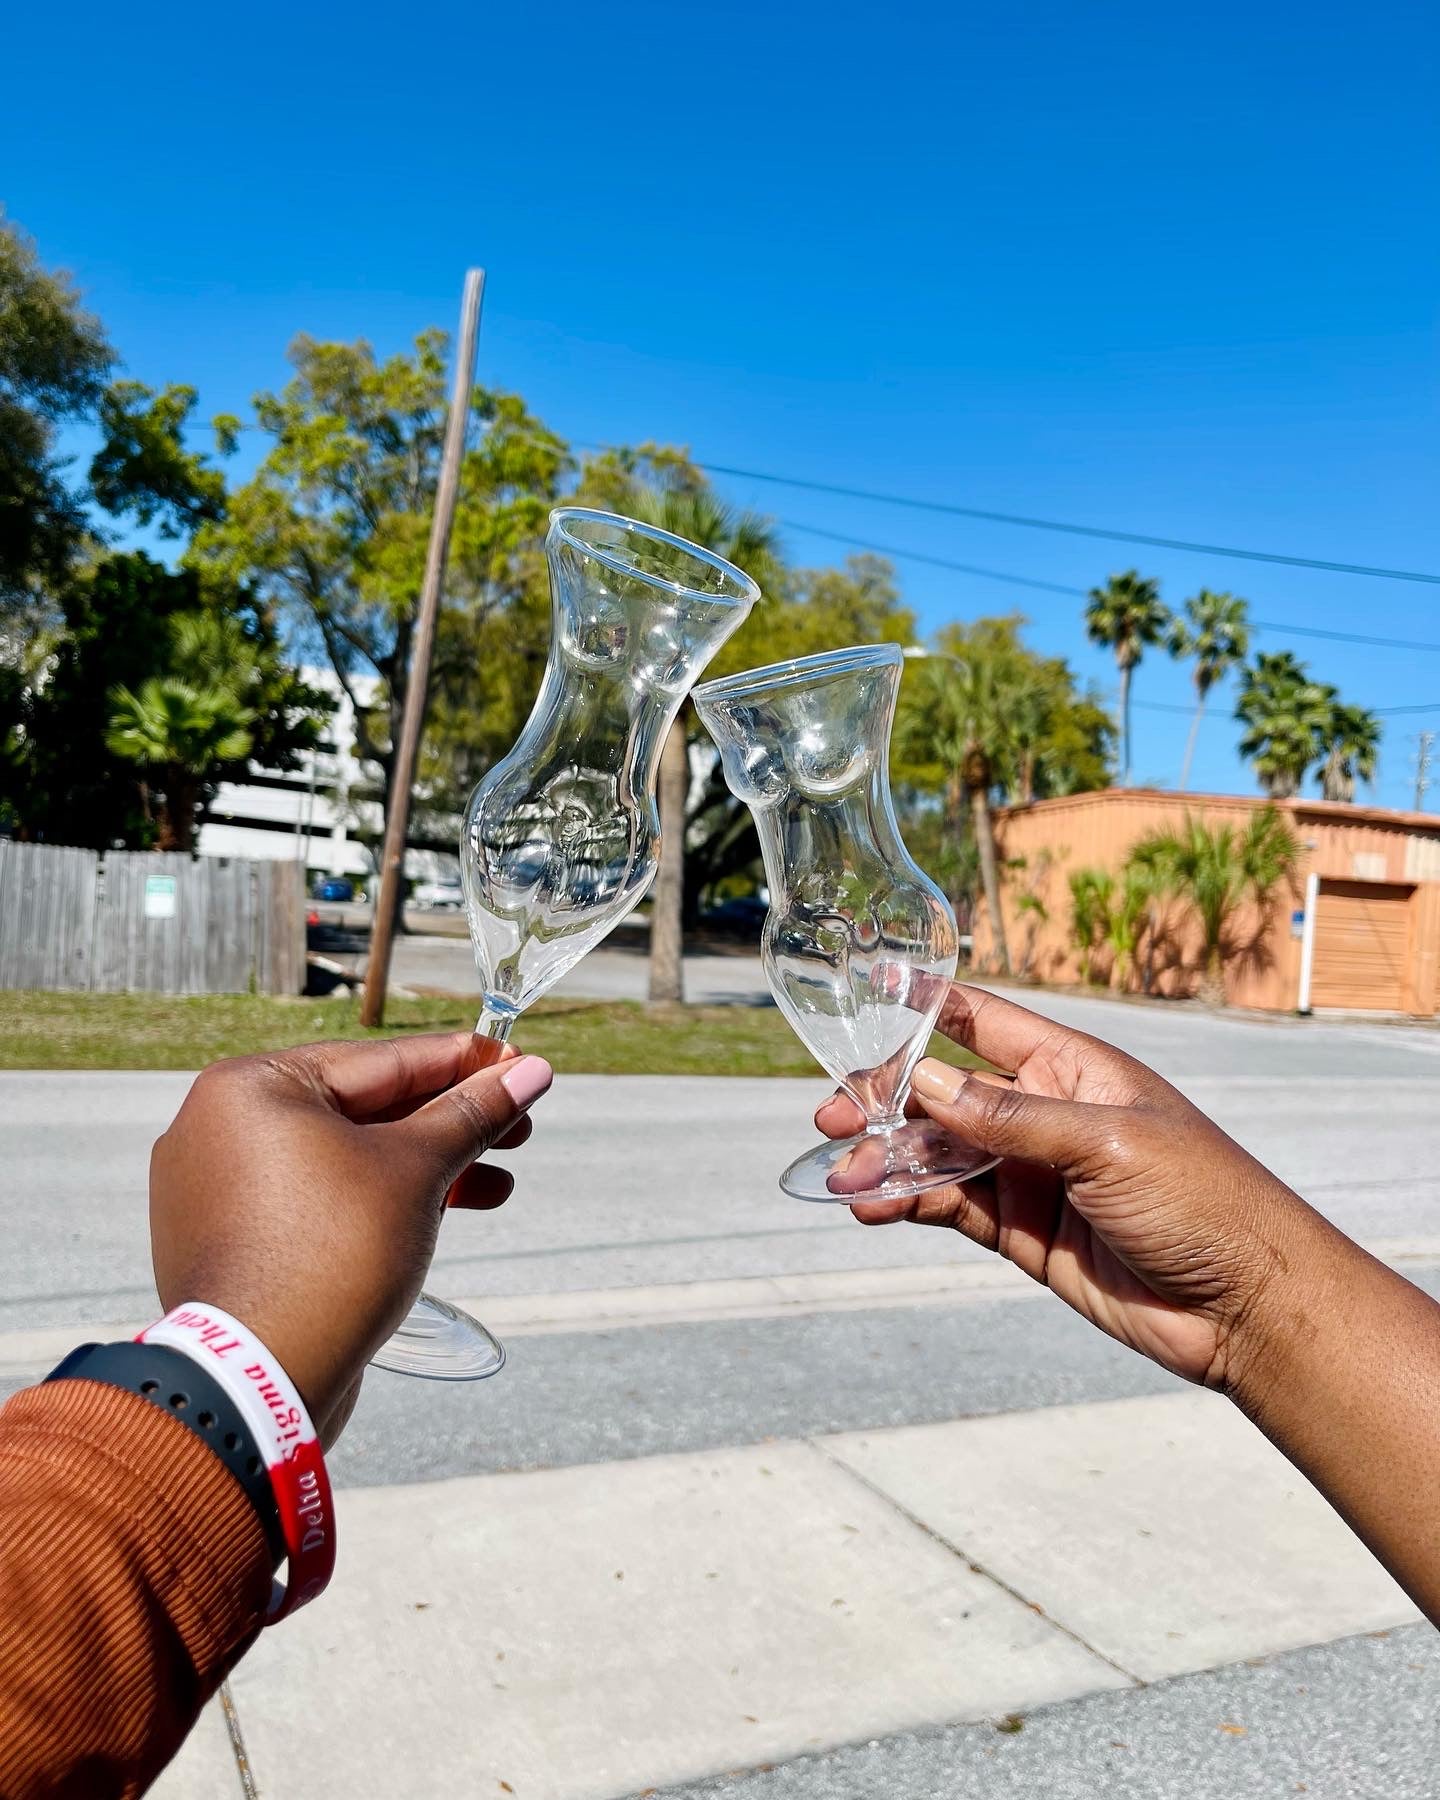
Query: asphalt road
[638, 1180]
[1354, 1720]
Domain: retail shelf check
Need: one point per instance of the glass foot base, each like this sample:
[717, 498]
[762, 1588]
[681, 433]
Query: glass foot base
[884, 1165]
[441, 1343]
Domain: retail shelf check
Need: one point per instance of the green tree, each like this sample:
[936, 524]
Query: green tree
[128, 621]
[1216, 869]
[1077, 753]
[333, 526]
[1214, 632]
[1349, 745]
[65, 784]
[1004, 722]
[1127, 616]
[144, 469]
[178, 733]
[1284, 714]
[125, 620]
[955, 711]
[53, 360]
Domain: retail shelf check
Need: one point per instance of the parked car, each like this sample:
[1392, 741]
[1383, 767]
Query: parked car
[435, 896]
[741, 917]
[334, 887]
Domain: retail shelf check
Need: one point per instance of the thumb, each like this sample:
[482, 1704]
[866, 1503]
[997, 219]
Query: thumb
[1066, 1135]
[460, 1125]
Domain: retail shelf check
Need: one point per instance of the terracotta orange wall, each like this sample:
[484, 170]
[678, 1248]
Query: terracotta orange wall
[1098, 830]
[1423, 997]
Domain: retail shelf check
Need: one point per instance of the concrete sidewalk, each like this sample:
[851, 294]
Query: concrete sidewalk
[583, 1634]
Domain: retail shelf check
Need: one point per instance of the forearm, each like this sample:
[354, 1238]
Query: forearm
[133, 1572]
[1340, 1368]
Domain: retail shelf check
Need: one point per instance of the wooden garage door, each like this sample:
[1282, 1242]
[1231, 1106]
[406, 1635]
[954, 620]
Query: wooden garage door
[1361, 941]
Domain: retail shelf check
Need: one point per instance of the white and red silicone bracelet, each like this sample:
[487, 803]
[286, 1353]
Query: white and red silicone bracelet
[272, 1408]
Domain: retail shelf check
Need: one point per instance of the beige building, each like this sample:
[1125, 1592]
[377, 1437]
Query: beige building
[1358, 929]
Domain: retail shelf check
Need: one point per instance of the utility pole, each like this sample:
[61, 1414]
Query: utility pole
[392, 858]
[1422, 768]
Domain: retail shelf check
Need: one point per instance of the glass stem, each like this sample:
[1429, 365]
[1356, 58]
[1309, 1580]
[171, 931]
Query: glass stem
[496, 1020]
[884, 1127]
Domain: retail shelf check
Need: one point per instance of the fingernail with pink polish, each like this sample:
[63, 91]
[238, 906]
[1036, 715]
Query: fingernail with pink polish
[934, 1080]
[526, 1080]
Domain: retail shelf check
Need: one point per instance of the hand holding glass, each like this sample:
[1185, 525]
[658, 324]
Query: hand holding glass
[561, 839]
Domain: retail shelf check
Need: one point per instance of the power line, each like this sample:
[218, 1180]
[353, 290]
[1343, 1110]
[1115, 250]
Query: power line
[1346, 637]
[1092, 531]
[1057, 587]
[1428, 706]
[938, 562]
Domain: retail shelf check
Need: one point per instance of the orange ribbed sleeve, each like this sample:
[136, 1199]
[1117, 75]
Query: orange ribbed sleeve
[133, 1573]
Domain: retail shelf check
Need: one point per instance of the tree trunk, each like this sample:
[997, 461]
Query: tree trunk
[954, 816]
[177, 815]
[1125, 672]
[1336, 782]
[1147, 968]
[989, 872]
[1190, 744]
[1212, 987]
[667, 905]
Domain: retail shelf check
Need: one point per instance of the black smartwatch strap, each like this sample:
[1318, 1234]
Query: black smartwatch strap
[188, 1392]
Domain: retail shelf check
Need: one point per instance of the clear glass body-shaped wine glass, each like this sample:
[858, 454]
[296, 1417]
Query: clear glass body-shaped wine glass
[561, 839]
[859, 945]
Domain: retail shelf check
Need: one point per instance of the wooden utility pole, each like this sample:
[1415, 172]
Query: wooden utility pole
[397, 823]
[1422, 768]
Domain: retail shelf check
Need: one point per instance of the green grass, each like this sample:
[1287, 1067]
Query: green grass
[153, 1031]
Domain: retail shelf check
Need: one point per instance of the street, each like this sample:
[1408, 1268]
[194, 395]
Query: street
[759, 1484]
[433, 955]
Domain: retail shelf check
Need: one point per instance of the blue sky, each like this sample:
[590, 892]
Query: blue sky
[1168, 269]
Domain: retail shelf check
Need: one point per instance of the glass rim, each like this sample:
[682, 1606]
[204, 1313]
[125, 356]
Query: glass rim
[799, 671]
[741, 591]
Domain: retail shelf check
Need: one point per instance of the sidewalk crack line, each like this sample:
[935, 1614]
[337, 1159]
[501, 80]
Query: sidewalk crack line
[237, 1743]
[959, 1550]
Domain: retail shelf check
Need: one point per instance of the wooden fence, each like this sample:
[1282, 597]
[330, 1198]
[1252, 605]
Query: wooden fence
[135, 921]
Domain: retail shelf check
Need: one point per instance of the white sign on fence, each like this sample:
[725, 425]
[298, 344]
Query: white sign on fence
[159, 896]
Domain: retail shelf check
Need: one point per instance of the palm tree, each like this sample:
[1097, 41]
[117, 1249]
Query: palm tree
[1215, 632]
[1150, 865]
[1216, 869]
[1284, 713]
[1128, 914]
[1350, 745]
[1031, 720]
[751, 543]
[1126, 615]
[955, 711]
[1090, 893]
[181, 731]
